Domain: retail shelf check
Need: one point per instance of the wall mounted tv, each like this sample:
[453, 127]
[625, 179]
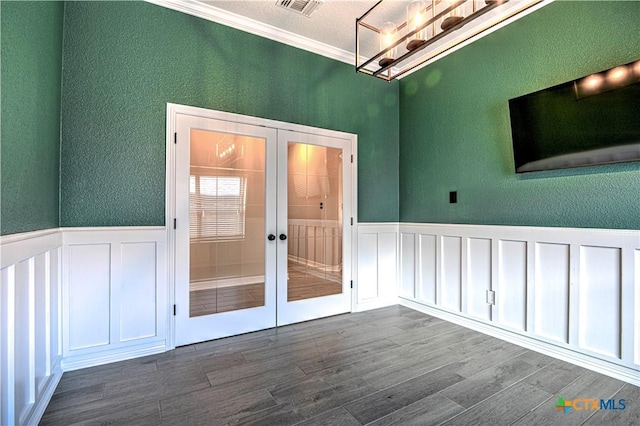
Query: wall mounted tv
[591, 120]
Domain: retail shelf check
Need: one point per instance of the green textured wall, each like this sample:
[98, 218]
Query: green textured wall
[455, 131]
[31, 64]
[123, 61]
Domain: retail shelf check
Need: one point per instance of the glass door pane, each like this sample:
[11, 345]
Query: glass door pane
[226, 222]
[314, 194]
[225, 191]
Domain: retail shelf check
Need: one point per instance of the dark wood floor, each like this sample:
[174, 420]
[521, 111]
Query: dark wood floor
[383, 367]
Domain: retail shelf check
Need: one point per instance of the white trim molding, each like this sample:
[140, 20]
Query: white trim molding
[30, 324]
[66, 295]
[251, 26]
[377, 268]
[115, 303]
[570, 293]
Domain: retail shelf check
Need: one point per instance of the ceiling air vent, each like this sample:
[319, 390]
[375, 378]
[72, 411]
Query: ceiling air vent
[303, 7]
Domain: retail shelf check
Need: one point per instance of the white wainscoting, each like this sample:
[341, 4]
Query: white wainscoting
[317, 243]
[30, 324]
[115, 294]
[78, 297]
[377, 271]
[571, 293]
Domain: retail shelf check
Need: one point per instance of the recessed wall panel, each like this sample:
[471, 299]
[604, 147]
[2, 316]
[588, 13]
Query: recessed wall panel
[89, 295]
[478, 277]
[24, 334]
[511, 297]
[7, 344]
[56, 302]
[138, 295]
[551, 291]
[427, 269]
[599, 306]
[407, 265]
[387, 263]
[367, 267]
[42, 333]
[451, 258]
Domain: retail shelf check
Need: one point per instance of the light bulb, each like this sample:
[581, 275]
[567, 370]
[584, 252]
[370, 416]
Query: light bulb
[618, 75]
[592, 83]
[388, 34]
[416, 17]
[636, 68]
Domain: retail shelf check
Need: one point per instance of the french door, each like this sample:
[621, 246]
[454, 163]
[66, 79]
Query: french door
[259, 240]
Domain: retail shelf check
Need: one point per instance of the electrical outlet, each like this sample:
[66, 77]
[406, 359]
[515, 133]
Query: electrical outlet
[491, 297]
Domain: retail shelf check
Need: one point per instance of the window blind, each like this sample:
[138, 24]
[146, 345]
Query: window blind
[217, 207]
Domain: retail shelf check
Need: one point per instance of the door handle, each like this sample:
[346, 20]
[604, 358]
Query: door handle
[283, 237]
[271, 237]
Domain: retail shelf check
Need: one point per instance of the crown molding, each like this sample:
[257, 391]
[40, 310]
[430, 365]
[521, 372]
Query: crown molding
[223, 17]
[233, 20]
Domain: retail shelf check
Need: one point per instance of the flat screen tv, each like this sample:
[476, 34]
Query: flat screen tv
[592, 120]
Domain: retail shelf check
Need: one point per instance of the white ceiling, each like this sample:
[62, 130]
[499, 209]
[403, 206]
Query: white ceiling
[333, 23]
[330, 30]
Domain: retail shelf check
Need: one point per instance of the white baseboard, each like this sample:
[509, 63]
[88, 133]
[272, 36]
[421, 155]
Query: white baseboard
[71, 363]
[41, 404]
[376, 304]
[625, 374]
[572, 293]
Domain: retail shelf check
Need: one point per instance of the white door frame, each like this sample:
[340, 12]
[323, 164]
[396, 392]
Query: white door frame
[170, 190]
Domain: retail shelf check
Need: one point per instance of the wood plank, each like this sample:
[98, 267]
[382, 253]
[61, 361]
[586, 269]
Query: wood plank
[431, 410]
[504, 407]
[156, 385]
[391, 399]
[556, 376]
[78, 396]
[387, 366]
[345, 356]
[490, 381]
[338, 417]
[311, 398]
[213, 406]
[630, 415]
[281, 414]
[590, 385]
[146, 413]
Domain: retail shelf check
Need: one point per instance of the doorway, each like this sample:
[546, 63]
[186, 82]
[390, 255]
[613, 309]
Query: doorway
[263, 233]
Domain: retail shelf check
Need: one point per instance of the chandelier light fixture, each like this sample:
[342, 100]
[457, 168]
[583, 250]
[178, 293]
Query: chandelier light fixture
[394, 37]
